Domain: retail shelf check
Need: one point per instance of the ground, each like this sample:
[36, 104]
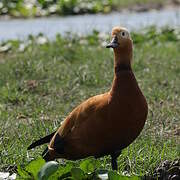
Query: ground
[40, 85]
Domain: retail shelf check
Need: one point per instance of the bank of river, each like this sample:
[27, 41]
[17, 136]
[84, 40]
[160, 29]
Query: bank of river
[83, 24]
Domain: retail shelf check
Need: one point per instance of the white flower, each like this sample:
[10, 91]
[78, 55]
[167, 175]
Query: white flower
[41, 40]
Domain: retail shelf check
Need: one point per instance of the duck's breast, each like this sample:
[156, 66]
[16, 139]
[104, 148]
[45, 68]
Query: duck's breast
[128, 111]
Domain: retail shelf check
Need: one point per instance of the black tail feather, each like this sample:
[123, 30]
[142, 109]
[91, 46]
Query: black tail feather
[58, 146]
[45, 155]
[45, 151]
[41, 141]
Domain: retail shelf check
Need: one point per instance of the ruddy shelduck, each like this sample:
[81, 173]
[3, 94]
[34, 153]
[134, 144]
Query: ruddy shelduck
[107, 123]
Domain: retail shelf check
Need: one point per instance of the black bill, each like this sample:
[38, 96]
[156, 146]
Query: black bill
[113, 44]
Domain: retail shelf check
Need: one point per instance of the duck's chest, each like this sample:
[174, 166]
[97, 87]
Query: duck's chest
[126, 117]
[127, 102]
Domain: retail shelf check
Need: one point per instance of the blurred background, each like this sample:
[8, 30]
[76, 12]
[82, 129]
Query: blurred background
[19, 18]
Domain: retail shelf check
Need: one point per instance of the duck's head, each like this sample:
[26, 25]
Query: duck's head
[122, 44]
[120, 37]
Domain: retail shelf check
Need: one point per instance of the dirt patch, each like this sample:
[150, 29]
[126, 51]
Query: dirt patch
[10, 168]
[167, 170]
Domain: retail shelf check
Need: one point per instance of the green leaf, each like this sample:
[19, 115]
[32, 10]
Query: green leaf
[22, 173]
[34, 166]
[77, 173]
[113, 175]
[88, 165]
[62, 172]
[134, 178]
[47, 170]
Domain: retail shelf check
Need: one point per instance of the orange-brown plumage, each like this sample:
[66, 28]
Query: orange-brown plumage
[106, 123]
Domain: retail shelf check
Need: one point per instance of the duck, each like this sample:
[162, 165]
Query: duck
[107, 123]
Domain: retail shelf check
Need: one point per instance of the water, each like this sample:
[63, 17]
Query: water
[83, 24]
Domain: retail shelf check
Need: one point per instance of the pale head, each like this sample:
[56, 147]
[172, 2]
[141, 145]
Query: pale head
[122, 44]
[120, 37]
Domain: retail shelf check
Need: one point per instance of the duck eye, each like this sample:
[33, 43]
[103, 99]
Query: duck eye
[123, 34]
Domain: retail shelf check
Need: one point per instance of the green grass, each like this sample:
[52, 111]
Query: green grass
[40, 86]
[22, 8]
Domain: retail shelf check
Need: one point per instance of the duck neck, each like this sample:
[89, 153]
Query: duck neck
[122, 63]
[122, 60]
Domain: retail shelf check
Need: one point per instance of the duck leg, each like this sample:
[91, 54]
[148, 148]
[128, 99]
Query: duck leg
[114, 157]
